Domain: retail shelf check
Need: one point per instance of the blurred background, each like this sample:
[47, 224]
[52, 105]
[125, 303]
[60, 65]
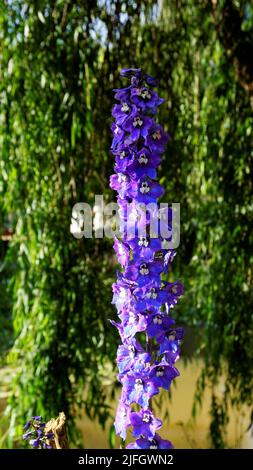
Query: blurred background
[59, 61]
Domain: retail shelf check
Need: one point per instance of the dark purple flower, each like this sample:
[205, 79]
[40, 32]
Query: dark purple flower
[121, 111]
[150, 295]
[157, 323]
[123, 94]
[137, 125]
[34, 443]
[143, 271]
[40, 432]
[156, 139]
[174, 291]
[37, 418]
[162, 375]
[131, 71]
[147, 190]
[173, 355]
[144, 164]
[169, 343]
[145, 247]
[154, 443]
[145, 98]
[27, 425]
[144, 423]
[27, 435]
[125, 158]
[151, 81]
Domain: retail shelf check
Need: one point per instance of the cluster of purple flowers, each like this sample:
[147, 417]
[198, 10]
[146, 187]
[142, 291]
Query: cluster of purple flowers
[36, 435]
[150, 341]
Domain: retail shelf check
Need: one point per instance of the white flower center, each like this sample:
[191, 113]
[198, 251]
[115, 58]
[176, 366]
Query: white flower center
[123, 414]
[137, 122]
[160, 372]
[145, 94]
[131, 350]
[122, 178]
[172, 336]
[144, 270]
[143, 159]
[151, 294]
[153, 444]
[138, 384]
[157, 320]
[116, 130]
[133, 319]
[174, 289]
[122, 154]
[146, 418]
[156, 135]
[144, 189]
[124, 108]
[143, 242]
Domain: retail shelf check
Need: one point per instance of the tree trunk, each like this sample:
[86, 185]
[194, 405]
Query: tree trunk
[237, 43]
[58, 428]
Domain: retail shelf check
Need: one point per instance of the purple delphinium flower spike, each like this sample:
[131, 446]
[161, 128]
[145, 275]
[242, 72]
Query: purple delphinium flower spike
[142, 298]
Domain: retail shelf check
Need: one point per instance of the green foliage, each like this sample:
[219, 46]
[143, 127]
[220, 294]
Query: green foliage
[59, 62]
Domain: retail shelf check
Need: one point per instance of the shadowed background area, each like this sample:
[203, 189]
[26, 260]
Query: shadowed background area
[59, 61]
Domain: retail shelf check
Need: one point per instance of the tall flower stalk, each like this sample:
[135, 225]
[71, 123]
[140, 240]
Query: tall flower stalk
[150, 342]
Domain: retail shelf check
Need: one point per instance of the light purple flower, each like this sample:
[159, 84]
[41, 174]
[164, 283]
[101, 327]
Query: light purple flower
[122, 419]
[122, 251]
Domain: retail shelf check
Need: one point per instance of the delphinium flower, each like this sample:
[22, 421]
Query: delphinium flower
[35, 434]
[150, 340]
